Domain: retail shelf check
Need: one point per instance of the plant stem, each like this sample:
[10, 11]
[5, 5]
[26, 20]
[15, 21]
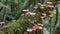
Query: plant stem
[50, 23]
[56, 16]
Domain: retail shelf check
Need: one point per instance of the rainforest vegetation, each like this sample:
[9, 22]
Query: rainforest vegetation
[29, 16]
